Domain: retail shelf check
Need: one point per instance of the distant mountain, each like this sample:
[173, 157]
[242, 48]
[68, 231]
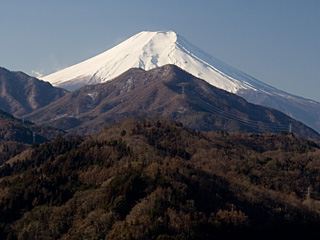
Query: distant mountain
[21, 94]
[148, 50]
[16, 135]
[157, 180]
[166, 91]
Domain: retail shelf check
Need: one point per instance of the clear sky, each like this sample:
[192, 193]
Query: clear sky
[275, 41]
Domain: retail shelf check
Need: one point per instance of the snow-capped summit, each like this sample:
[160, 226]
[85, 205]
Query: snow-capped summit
[148, 50]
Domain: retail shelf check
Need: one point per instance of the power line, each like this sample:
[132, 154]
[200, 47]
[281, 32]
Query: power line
[245, 121]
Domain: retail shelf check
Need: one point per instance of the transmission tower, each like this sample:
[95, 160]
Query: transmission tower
[183, 88]
[77, 112]
[33, 138]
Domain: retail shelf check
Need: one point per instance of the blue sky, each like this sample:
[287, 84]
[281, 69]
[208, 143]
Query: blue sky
[275, 41]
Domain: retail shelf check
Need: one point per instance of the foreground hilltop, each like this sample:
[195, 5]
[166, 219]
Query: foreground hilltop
[157, 180]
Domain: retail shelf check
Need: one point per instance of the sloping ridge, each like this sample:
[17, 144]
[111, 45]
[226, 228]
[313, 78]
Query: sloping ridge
[21, 94]
[166, 91]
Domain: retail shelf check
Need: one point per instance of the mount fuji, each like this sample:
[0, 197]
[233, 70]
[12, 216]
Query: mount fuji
[148, 50]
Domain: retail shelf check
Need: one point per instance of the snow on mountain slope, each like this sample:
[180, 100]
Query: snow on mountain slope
[149, 50]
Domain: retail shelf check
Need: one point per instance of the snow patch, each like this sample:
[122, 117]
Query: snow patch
[92, 95]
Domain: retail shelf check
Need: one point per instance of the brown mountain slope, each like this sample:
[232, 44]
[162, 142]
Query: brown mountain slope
[169, 92]
[157, 180]
[21, 94]
[304, 110]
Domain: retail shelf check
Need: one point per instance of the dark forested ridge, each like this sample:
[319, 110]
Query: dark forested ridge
[157, 180]
[16, 135]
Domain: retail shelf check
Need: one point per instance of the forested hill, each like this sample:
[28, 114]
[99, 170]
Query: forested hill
[158, 180]
[16, 135]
